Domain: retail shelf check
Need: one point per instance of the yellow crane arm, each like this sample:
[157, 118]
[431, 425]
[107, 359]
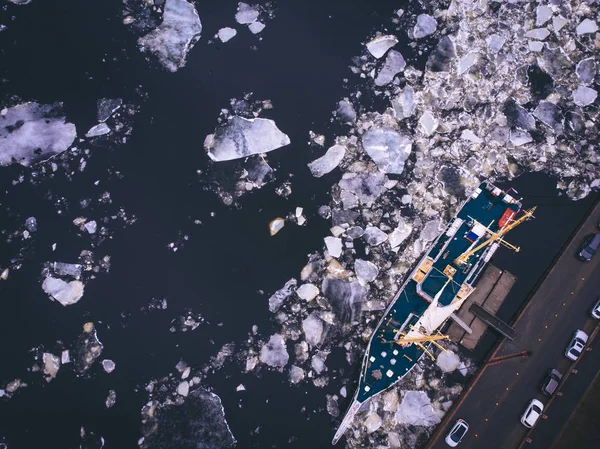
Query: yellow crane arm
[464, 257]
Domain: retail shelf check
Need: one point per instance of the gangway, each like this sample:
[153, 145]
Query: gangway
[493, 321]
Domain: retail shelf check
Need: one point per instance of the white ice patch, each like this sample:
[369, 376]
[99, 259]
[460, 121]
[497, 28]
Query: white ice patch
[31, 131]
[586, 26]
[334, 246]
[388, 149]
[329, 161]
[241, 137]
[394, 64]
[313, 329]
[425, 26]
[416, 410]
[381, 44]
[274, 352]
[226, 34]
[256, 27]
[308, 292]
[365, 271]
[467, 62]
[404, 103]
[398, 235]
[246, 14]
[66, 293]
[448, 361]
[100, 129]
[584, 96]
[278, 298]
[174, 38]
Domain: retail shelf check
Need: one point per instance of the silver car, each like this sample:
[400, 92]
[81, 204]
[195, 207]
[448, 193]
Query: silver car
[456, 434]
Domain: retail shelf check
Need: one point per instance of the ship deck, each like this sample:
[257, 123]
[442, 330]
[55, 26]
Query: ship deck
[386, 362]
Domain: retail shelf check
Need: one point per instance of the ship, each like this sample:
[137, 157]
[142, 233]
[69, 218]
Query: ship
[437, 287]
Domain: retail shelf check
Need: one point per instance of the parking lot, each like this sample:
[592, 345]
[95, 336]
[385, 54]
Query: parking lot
[496, 401]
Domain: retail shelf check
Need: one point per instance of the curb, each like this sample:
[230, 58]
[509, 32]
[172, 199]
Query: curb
[516, 317]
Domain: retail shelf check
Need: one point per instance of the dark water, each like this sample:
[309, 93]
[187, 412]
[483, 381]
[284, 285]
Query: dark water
[77, 52]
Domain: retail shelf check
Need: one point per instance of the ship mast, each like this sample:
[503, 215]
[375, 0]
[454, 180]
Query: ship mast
[496, 236]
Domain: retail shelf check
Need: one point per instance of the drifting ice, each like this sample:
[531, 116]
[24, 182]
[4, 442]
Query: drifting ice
[30, 132]
[175, 37]
[425, 26]
[394, 63]
[66, 293]
[225, 34]
[246, 14]
[380, 45]
[328, 161]
[241, 137]
[313, 329]
[388, 149]
[274, 353]
[415, 409]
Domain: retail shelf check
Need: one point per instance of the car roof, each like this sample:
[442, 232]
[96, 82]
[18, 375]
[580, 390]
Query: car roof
[595, 241]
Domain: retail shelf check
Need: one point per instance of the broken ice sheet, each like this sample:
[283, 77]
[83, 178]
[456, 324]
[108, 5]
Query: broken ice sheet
[226, 34]
[274, 352]
[415, 409]
[203, 417]
[278, 298]
[388, 149]
[66, 293]
[30, 132]
[394, 64]
[425, 26]
[241, 137]
[174, 38]
[106, 107]
[246, 14]
[366, 186]
[329, 161]
[379, 45]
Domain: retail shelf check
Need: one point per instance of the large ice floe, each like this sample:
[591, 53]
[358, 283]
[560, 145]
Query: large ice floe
[237, 147]
[193, 420]
[30, 132]
[241, 137]
[171, 41]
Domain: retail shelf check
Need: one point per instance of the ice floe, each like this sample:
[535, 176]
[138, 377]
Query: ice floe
[388, 149]
[241, 137]
[274, 352]
[171, 41]
[66, 293]
[394, 64]
[30, 132]
[226, 34]
[425, 26]
[328, 162]
[379, 45]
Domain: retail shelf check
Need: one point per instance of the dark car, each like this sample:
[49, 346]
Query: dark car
[589, 247]
[551, 382]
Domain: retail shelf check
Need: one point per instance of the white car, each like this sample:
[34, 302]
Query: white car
[576, 345]
[596, 310]
[532, 414]
[458, 431]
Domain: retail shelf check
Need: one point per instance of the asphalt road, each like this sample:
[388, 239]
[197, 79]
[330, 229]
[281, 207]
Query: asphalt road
[497, 400]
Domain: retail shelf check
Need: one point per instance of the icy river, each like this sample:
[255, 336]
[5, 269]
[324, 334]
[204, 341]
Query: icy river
[206, 205]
